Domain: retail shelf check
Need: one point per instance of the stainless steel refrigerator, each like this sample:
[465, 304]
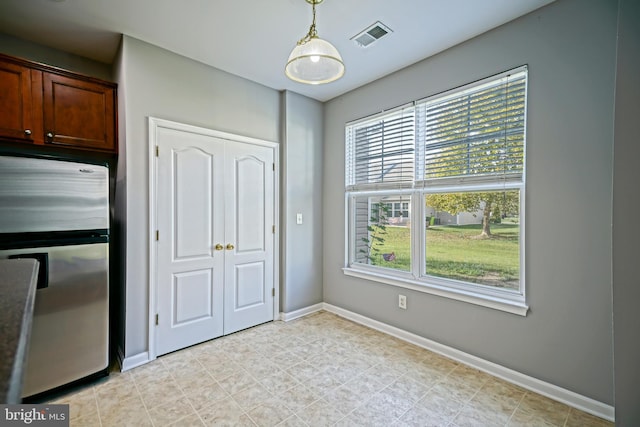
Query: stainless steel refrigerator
[58, 212]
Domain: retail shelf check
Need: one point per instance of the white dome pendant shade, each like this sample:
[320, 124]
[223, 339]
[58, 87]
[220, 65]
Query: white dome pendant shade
[313, 60]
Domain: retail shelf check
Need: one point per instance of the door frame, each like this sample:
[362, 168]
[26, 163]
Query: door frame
[156, 123]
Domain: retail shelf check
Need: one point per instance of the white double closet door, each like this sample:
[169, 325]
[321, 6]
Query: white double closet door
[215, 209]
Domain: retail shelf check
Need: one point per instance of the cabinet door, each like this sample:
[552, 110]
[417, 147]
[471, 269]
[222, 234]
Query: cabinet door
[78, 113]
[15, 102]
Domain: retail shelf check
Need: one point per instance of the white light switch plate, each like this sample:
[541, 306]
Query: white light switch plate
[299, 218]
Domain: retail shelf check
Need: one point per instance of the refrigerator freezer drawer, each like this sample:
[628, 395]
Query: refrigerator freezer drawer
[70, 332]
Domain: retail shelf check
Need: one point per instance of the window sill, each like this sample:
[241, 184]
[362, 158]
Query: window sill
[495, 302]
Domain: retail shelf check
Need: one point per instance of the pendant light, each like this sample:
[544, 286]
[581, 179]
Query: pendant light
[313, 60]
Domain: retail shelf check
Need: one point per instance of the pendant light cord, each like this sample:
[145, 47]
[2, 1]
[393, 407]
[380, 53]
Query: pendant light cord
[312, 29]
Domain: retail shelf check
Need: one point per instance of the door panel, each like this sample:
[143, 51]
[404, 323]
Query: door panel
[193, 209]
[249, 286]
[190, 272]
[249, 217]
[250, 204]
[192, 296]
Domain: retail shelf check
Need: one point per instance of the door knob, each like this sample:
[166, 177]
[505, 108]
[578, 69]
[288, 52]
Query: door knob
[230, 246]
[219, 247]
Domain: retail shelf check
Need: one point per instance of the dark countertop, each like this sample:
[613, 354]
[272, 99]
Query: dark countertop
[18, 280]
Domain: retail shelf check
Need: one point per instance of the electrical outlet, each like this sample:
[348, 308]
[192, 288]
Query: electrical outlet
[402, 302]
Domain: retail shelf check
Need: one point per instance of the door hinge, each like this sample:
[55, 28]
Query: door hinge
[273, 292]
[274, 166]
[273, 229]
[157, 150]
[156, 319]
[157, 235]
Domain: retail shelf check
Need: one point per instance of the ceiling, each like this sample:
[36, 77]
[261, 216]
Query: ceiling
[253, 38]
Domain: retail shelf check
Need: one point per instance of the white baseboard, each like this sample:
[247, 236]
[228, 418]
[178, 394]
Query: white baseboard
[286, 317]
[134, 361]
[551, 391]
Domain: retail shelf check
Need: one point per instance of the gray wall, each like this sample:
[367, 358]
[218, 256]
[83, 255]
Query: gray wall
[626, 233]
[34, 52]
[118, 225]
[566, 339]
[301, 272]
[162, 84]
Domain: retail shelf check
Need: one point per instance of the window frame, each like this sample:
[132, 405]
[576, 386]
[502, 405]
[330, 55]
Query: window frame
[507, 300]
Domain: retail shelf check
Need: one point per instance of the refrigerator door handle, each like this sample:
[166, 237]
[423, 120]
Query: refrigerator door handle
[43, 270]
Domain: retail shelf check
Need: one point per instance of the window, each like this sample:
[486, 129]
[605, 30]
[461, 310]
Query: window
[435, 193]
[381, 239]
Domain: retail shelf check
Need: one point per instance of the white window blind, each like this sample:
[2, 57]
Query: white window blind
[380, 151]
[475, 133]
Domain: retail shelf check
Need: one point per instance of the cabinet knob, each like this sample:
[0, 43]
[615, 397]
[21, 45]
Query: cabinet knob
[230, 246]
[27, 132]
[219, 247]
[49, 134]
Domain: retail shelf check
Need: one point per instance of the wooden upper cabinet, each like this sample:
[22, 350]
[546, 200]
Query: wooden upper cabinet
[15, 102]
[78, 113]
[43, 105]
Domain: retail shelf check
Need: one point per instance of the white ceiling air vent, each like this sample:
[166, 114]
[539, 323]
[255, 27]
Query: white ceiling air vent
[371, 34]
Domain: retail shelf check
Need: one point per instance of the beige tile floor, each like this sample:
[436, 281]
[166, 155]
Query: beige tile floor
[320, 370]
